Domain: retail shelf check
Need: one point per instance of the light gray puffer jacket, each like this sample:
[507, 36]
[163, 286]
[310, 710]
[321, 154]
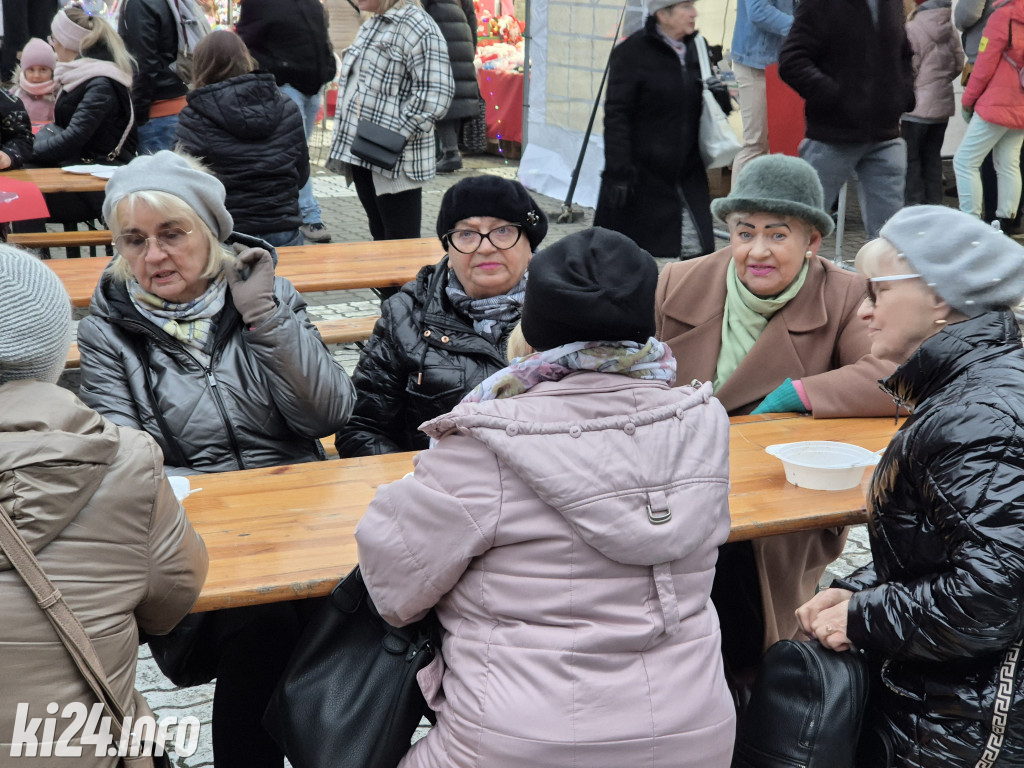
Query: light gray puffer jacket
[91, 501]
[938, 58]
[579, 629]
[268, 395]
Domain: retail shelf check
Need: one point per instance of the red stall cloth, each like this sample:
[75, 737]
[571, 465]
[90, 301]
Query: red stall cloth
[504, 96]
[785, 114]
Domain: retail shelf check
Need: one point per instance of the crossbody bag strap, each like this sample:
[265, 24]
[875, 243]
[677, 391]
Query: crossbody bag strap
[70, 630]
[112, 156]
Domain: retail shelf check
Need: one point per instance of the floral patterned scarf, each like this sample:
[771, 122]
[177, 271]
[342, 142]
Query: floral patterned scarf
[652, 361]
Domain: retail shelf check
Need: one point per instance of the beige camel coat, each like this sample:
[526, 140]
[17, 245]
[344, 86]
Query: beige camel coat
[816, 338]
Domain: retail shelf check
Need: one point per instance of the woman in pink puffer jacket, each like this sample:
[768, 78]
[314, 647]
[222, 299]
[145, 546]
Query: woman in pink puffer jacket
[993, 103]
[565, 526]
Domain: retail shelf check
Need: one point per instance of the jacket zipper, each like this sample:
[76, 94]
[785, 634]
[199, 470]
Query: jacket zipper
[224, 416]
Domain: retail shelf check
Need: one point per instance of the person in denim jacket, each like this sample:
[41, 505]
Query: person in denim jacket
[761, 26]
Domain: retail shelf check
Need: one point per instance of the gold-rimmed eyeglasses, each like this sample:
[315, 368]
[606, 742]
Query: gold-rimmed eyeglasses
[171, 241]
[872, 296]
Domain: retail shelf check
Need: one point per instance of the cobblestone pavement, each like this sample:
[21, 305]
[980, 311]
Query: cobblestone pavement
[346, 221]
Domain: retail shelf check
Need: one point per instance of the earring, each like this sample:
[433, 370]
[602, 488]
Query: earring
[809, 255]
[941, 322]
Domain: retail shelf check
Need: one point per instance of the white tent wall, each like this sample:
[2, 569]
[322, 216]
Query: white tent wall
[568, 42]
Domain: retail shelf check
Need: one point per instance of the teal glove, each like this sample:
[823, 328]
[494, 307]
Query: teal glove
[967, 114]
[783, 399]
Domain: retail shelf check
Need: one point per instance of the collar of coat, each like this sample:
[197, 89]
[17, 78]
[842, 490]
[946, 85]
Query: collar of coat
[693, 307]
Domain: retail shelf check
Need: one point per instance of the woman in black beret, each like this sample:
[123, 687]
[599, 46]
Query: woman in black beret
[447, 330]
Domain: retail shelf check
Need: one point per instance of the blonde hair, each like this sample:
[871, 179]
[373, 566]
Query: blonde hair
[517, 344]
[101, 33]
[874, 256]
[166, 205]
[387, 5]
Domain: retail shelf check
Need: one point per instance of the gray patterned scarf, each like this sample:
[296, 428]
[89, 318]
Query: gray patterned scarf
[492, 316]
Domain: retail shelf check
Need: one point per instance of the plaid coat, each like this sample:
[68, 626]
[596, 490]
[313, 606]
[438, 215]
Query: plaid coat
[404, 83]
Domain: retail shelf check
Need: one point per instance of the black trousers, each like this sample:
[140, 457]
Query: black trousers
[23, 19]
[391, 217]
[924, 161]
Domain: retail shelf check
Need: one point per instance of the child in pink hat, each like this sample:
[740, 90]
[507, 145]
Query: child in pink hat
[35, 82]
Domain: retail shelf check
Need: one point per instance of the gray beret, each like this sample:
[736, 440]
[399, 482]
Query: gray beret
[35, 318]
[778, 184]
[656, 5]
[971, 265]
[169, 172]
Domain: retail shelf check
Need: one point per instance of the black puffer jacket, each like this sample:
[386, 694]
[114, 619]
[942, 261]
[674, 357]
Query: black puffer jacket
[93, 118]
[250, 135]
[457, 21]
[420, 362]
[266, 397]
[148, 30]
[944, 599]
[289, 39]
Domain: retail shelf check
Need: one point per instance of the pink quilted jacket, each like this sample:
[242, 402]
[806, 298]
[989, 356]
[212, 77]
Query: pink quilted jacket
[994, 90]
[578, 631]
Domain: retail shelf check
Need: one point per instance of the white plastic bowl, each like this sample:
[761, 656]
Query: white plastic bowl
[822, 465]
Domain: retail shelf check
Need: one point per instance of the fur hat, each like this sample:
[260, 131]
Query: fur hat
[971, 265]
[172, 173]
[491, 196]
[777, 184]
[594, 285]
[38, 53]
[35, 318]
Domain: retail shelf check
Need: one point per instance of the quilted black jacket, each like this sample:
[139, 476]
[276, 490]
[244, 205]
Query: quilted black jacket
[93, 118]
[944, 598]
[419, 363]
[148, 30]
[457, 22]
[15, 129]
[266, 397]
[250, 135]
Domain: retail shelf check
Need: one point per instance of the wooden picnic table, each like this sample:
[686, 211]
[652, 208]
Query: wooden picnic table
[323, 267]
[286, 532]
[51, 180]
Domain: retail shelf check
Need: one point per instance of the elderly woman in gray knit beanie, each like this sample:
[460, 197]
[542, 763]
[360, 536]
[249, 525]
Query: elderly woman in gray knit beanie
[91, 502]
[213, 356]
[942, 603]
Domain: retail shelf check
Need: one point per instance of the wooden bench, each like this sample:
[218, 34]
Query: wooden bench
[282, 533]
[72, 239]
[345, 330]
[322, 267]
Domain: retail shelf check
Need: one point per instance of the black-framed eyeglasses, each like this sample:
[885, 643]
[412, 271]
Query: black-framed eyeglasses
[871, 296]
[171, 241]
[502, 238]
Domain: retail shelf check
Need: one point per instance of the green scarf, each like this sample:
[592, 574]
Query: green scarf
[745, 318]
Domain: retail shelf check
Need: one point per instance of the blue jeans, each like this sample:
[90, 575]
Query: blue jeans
[881, 169]
[282, 239]
[157, 134]
[1004, 144]
[308, 106]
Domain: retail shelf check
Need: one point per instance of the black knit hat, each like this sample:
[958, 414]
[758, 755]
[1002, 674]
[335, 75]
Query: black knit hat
[594, 285]
[492, 196]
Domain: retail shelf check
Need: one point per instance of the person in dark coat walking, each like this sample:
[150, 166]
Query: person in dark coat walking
[446, 331]
[940, 610]
[250, 136]
[288, 38]
[149, 30]
[654, 188]
[851, 62]
[457, 21]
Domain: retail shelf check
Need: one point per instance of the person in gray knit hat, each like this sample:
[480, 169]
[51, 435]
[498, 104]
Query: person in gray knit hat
[775, 327]
[946, 515]
[214, 357]
[35, 319]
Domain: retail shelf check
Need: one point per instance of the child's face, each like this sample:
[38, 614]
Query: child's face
[38, 74]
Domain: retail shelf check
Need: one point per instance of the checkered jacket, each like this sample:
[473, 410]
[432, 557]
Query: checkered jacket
[404, 83]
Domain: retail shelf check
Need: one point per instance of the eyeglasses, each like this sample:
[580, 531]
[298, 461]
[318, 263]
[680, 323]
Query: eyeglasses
[502, 238]
[872, 296]
[170, 241]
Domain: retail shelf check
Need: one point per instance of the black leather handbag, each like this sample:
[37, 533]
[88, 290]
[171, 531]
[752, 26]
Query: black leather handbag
[806, 709]
[377, 145]
[349, 696]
